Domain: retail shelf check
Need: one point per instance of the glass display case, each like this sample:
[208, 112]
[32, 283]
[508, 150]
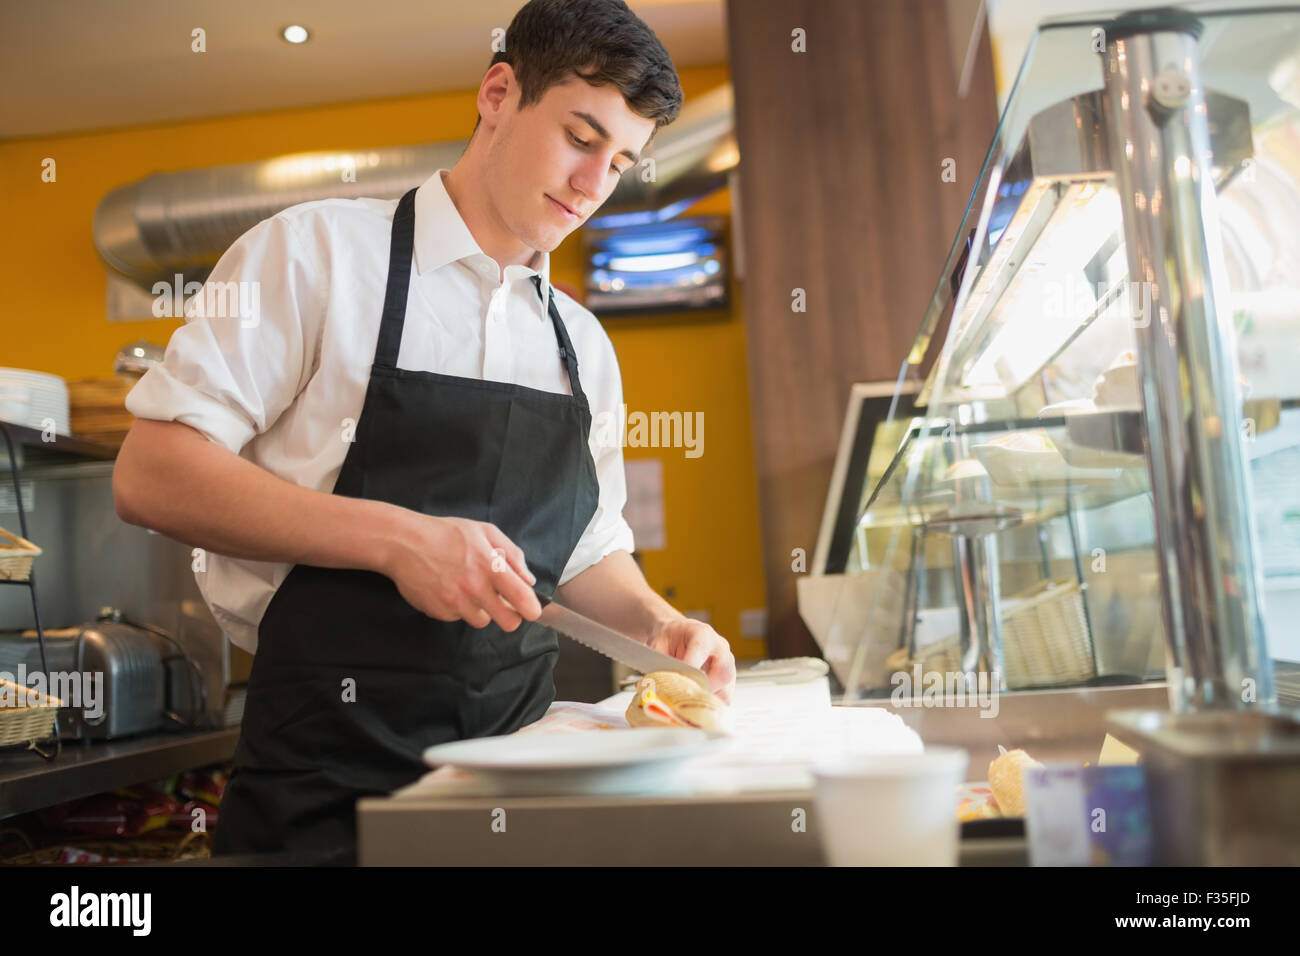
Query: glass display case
[1099, 477]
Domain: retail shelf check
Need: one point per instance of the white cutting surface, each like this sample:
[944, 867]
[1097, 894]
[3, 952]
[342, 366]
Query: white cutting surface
[781, 730]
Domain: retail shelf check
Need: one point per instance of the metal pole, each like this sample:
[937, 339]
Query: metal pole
[1209, 568]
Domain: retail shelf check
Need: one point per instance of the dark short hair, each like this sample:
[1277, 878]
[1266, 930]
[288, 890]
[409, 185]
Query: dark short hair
[601, 41]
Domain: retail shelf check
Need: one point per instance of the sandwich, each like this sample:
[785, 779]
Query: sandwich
[670, 699]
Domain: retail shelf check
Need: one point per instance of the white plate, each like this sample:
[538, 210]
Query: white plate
[632, 760]
[22, 376]
[41, 411]
[34, 416]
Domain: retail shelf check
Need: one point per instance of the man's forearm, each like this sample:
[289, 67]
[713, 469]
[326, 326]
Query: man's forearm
[172, 479]
[614, 592]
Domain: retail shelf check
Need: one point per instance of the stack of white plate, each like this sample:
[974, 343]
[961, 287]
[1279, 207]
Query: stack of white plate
[33, 398]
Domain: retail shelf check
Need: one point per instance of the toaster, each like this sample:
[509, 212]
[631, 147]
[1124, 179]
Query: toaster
[109, 676]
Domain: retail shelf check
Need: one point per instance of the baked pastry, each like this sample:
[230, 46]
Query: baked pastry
[1006, 780]
[670, 699]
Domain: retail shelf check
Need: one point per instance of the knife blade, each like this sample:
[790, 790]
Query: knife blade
[612, 644]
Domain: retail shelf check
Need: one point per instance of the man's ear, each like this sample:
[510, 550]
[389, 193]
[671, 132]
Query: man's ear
[498, 89]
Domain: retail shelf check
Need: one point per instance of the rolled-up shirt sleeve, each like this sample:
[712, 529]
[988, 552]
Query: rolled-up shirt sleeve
[607, 531]
[250, 340]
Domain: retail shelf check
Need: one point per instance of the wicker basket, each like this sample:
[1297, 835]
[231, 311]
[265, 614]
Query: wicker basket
[30, 718]
[16, 556]
[1045, 637]
[162, 846]
[1044, 641]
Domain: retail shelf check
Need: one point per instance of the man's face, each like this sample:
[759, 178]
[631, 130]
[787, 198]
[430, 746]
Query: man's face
[569, 149]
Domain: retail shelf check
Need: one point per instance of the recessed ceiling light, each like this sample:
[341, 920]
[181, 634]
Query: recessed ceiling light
[295, 34]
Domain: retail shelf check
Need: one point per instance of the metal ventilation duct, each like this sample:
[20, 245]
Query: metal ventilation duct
[182, 222]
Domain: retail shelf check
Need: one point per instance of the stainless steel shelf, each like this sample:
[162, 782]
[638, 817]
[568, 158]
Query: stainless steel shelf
[64, 449]
[1037, 501]
[29, 782]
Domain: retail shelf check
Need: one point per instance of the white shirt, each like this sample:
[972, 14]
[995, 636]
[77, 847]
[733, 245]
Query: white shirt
[278, 388]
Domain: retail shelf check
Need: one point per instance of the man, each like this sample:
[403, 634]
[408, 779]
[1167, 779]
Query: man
[396, 458]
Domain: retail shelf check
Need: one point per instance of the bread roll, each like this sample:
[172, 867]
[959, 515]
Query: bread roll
[670, 699]
[1006, 780]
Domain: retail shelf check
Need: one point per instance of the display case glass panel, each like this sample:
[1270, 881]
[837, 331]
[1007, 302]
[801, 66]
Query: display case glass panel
[1013, 528]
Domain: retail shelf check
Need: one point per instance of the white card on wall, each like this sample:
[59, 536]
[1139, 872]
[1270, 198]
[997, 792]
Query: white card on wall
[645, 503]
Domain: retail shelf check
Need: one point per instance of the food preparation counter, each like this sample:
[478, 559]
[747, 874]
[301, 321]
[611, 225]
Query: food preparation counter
[766, 826]
[769, 829]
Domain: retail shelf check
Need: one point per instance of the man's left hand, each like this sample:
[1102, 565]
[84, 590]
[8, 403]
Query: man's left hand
[694, 642]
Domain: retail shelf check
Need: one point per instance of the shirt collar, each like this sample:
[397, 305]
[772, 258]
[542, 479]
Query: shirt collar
[441, 237]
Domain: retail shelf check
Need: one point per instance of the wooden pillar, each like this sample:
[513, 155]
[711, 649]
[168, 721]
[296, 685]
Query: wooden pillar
[842, 195]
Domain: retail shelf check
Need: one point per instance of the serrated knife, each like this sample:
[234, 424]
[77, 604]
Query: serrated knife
[612, 644]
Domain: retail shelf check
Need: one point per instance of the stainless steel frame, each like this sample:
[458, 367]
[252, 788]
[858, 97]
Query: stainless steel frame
[1159, 141]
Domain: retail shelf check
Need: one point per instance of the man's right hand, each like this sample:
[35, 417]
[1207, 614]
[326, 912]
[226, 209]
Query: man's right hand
[448, 568]
[458, 569]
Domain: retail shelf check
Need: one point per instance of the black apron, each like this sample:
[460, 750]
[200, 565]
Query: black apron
[350, 683]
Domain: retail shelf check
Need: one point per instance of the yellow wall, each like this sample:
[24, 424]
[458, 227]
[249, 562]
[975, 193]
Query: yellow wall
[54, 317]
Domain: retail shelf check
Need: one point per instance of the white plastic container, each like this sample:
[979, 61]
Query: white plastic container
[890, 809]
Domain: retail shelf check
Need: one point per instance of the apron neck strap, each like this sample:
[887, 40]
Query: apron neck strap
[567, 355]
[399, 282]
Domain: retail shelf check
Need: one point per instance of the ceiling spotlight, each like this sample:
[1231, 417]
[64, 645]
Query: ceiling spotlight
[295, 34]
